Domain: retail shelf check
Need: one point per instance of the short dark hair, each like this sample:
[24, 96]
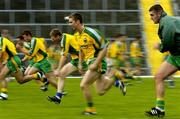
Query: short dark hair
[55, 32]
[76, 16]
[20, 37]
[156, 7]
[27, 32]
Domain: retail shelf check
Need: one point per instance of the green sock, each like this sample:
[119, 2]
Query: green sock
[90, 104]
[160, 103]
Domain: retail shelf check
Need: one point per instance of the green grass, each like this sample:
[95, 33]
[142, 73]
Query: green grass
[28, 102]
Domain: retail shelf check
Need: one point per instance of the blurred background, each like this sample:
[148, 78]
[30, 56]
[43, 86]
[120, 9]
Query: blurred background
[129, 18]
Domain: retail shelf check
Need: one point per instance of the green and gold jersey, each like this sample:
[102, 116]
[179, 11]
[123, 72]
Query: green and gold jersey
[7, 48]
[91, 41]
[69, 45]
[38, 49]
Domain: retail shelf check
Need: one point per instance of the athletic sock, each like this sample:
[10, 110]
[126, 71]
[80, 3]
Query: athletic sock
[59, 95]
[160, 104]
[37, 75]
[4, 90]
[90, 104]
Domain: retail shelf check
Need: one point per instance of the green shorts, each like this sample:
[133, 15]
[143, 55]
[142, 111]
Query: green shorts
[135, 61]
[174, 60]
[103, 65]
[31, 62]
[14, 63]
[43, 66]
[75, 62]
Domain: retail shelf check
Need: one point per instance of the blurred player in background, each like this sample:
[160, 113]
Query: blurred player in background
[54, 55]
[136, 56]
[114, 65]
[169, 33]
[120, 58]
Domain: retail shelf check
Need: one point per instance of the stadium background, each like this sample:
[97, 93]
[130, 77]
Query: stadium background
[128, 17]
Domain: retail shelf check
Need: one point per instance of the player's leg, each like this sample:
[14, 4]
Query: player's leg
[45, 67]
[33, 73]
[65, 71]
[165, 70]
[114, 73]
[4, 88]
[103, 84]
[4, 71]
[27, 71]
[89, 78]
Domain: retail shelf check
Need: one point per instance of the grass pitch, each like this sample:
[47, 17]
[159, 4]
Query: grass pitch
[28, 102]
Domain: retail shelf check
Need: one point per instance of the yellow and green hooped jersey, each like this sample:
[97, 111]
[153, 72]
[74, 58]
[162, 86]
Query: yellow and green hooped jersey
[38, 49]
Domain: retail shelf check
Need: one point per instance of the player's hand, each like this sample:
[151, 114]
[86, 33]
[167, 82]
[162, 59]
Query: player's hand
[18, 46]
[93, 67]
[56, 72]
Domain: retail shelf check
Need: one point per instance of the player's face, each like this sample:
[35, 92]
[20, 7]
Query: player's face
[27, 38]
[155, 16]
[55, 38]
[72, 23]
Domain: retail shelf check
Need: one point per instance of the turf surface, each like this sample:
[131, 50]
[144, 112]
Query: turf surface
[28, 102]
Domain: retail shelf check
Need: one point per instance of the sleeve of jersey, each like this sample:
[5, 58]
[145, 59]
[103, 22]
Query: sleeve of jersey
[1, 44]
[34, 47]
[102, 42]
[64, 46]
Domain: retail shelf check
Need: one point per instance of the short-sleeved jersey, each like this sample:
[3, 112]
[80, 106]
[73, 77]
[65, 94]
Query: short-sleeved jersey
[7, 48]
[91, 41]
[69, 45]
[135, 49]
[38, 49]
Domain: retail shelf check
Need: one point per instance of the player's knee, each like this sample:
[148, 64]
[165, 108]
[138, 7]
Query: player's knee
[20, 81]
[83, 86]
[158, 76]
